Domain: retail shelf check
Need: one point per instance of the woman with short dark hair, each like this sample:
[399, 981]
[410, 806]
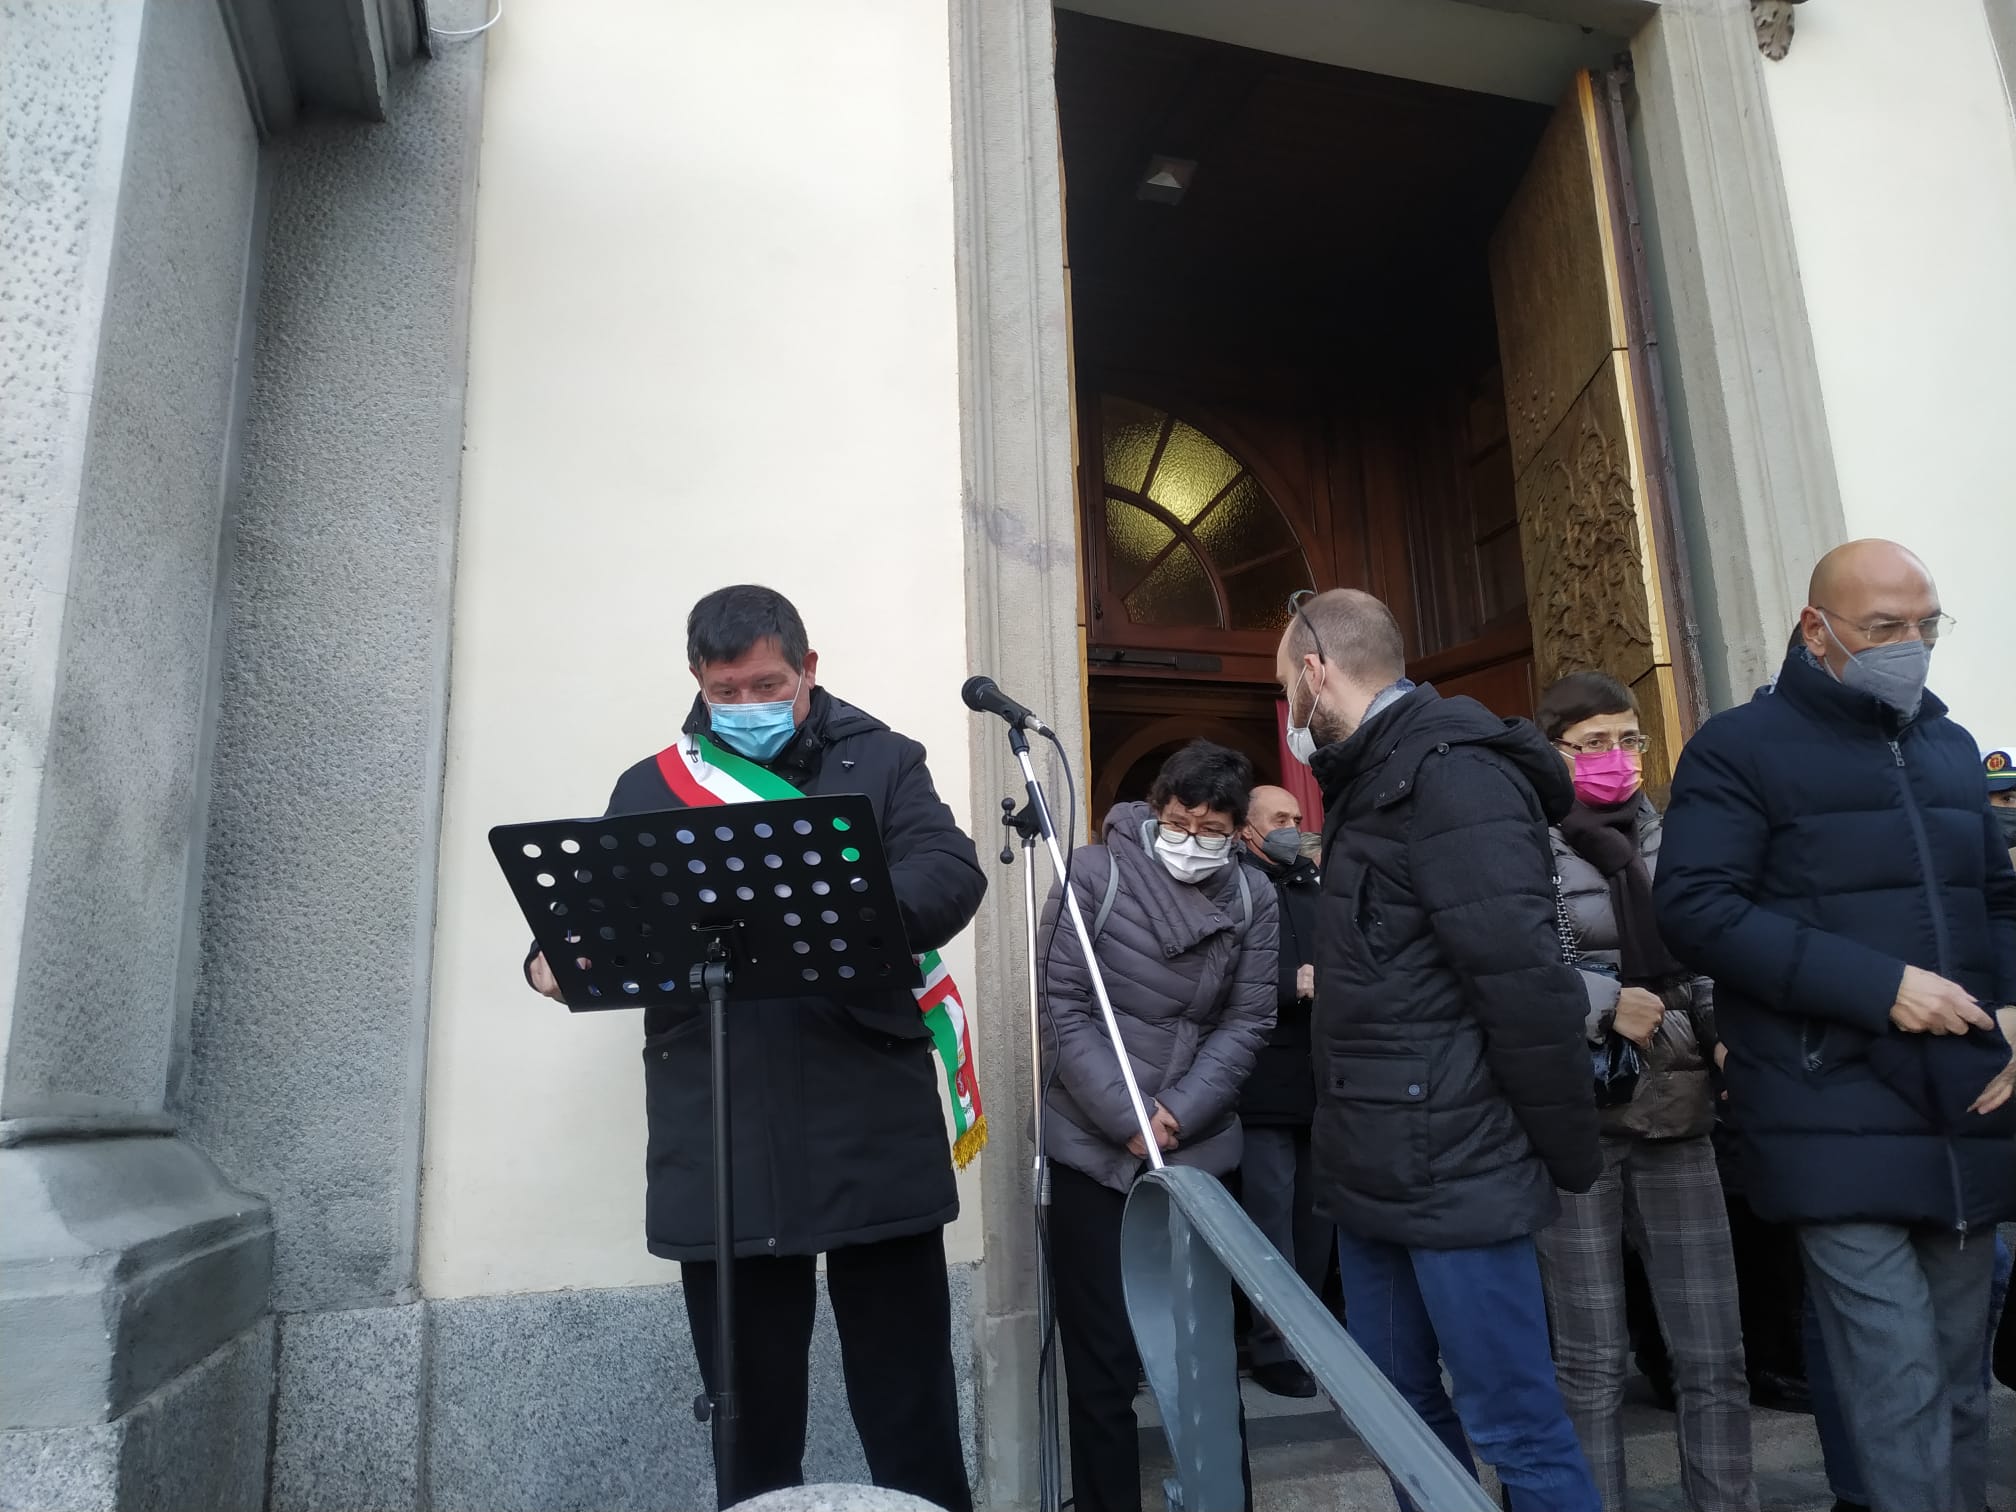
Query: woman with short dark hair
[1187, 946]
[1659, 1178]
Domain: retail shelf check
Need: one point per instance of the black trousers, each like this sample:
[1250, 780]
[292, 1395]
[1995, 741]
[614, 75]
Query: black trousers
[1102, 1368]
[893, 1309]
[1771, 1290]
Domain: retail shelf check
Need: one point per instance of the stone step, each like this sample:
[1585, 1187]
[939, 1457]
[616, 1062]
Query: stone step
[1304, 1458]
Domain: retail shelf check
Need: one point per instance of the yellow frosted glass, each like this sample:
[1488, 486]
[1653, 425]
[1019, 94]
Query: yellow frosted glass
[1131, 431]
[1133, 540]
[1177, 592]
[1243, 526]
[1193, 471]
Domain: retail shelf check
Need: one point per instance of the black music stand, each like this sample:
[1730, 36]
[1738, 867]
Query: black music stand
[788, 899]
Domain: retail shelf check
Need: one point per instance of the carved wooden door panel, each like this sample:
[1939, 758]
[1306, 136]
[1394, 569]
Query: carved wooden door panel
[1606, 584]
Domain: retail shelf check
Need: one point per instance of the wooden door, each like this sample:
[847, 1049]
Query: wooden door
[1606, 584]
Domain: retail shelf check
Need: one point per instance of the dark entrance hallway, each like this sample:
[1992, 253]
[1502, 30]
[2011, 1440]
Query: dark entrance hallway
[1287, 376]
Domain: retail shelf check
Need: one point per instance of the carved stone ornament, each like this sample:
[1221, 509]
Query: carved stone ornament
[1774, 26]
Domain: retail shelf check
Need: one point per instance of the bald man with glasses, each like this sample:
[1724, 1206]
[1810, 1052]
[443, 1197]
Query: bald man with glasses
[1832, 862]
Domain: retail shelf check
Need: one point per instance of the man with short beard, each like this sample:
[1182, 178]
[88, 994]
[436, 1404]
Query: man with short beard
[1454, 1089]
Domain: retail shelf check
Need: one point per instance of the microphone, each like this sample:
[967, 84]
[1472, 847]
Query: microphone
[984, 696]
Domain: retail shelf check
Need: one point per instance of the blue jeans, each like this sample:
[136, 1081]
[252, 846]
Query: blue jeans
[1837, 1447]
[1482, 1311]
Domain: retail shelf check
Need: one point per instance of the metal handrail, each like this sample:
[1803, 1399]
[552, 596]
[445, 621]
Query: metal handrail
[1184, 1244]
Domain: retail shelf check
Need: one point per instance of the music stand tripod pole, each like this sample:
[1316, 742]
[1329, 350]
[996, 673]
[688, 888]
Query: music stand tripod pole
[710, 981]
[664, 909]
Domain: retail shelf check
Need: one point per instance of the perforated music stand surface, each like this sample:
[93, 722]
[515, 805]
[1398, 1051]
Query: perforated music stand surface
[798, 888]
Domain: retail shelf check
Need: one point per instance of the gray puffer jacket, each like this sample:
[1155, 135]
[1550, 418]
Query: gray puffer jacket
[1673, 1100]
[1193, 984]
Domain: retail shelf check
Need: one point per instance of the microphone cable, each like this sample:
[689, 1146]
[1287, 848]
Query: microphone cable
[1046, 1363]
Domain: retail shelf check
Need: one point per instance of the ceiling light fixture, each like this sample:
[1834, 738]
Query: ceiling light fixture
[1166, 179]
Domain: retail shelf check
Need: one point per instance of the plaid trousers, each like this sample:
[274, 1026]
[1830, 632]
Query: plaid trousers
[1669, 1196]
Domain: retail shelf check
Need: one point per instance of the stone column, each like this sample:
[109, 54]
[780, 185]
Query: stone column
[1022, 613]
[308, 1035]
[2002, 29]
[1759, 497]
[133, 1277]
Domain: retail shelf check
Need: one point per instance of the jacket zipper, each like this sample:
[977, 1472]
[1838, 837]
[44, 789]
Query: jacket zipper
[1940, 948]
[1959, 1206]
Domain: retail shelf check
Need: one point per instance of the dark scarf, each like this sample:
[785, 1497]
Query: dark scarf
[1607, 838]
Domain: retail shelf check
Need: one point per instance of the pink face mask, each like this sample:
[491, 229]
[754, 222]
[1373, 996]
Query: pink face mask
[1606, 778]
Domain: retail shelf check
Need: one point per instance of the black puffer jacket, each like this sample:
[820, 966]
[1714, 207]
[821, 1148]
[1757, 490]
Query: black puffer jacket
[1453, 1079]
[1281, 1092]
[839, 1136]
[1815, 847]
[1191, 980]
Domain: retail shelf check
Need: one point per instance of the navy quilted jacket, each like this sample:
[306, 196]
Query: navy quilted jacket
[1814, 848]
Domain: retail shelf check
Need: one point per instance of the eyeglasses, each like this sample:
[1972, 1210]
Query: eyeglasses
[1887, 632]
[1175, 834]
[1596, 745]
[1296, 600]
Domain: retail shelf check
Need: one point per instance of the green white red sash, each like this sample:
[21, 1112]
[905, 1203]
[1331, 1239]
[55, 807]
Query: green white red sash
[703, 774]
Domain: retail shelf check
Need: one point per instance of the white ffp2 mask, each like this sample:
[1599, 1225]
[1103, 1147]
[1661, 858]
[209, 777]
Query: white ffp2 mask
[1187, 860]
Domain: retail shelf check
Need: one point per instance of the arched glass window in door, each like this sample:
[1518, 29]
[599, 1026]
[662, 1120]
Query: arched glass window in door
[1192, 539]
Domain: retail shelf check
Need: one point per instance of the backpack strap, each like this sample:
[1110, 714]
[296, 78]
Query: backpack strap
[1113, 891]
[1106, 902]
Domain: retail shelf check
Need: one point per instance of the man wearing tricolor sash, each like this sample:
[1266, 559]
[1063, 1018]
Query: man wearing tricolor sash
[838, 1143]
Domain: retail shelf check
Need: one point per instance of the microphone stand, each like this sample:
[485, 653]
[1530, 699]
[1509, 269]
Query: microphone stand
[1049, 1452]
[1032, 820]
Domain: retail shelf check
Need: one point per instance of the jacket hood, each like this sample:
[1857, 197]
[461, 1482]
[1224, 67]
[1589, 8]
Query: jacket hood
[1122, 826]
[1180, 913]
[1390, 747]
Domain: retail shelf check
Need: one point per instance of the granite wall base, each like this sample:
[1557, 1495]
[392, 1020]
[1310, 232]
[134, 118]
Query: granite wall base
[533, 1402]
[555, 1401]
[346, 1428]
[199, 1441]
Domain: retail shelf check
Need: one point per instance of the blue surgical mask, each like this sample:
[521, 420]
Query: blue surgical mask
[757, 730]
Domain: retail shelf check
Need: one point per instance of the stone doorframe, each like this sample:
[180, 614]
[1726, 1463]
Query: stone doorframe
[1760, 499]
